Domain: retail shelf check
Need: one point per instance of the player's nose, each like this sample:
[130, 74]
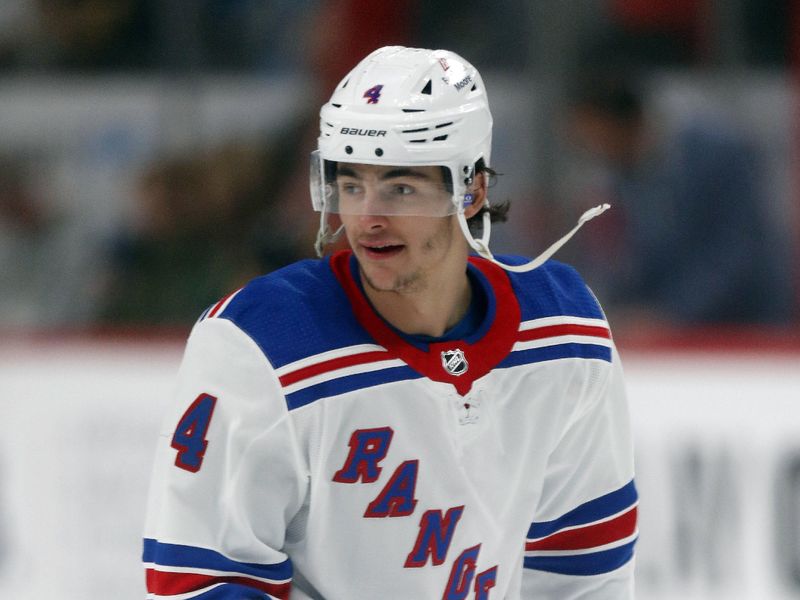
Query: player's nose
[372, 222]
[372, 216]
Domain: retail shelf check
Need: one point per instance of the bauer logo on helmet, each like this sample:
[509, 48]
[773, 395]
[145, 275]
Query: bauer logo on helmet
[366, 132]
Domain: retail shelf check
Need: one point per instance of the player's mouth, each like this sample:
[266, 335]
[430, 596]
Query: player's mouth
[382, 251]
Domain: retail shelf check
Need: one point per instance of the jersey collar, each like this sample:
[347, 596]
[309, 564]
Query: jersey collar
[458, 362]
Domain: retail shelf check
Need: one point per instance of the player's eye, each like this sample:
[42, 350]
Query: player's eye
[402, 189]
[349, 188]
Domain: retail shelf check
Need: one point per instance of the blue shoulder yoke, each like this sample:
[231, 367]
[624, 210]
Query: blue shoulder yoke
[295, 312]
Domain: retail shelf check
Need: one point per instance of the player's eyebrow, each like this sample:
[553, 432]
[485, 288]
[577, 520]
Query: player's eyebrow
[398, 172]
[346, 172]
[404, 172]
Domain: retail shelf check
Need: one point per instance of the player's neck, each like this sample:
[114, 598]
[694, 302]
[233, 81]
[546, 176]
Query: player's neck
[431, 310]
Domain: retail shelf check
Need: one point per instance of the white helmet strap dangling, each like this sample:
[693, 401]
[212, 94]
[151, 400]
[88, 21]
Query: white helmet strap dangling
[481, 245]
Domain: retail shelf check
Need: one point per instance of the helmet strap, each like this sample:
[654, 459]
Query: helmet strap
[324, 234]
[481, 245]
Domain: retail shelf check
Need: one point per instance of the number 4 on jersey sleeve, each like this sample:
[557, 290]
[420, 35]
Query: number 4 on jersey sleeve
[190, 434]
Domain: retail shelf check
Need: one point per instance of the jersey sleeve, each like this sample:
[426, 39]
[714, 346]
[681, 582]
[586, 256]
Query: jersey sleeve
[581, 542]
[228, 476]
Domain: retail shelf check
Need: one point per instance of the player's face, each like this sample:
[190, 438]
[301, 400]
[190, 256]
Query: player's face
[401, 253]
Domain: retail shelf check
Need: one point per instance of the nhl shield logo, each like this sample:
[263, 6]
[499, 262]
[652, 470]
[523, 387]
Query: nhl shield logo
[454, 362]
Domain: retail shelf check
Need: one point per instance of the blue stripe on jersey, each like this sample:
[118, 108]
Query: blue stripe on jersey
[349, 383]
[591, 511]
[204, 313]
[231, 591]
[569, 350]
[177, 555]
[593, 563]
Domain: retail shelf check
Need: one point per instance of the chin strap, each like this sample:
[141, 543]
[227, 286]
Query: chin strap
[481, 245]
[324, 234]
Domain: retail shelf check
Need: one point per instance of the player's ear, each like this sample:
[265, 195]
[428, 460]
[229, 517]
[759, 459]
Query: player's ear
[475, 196]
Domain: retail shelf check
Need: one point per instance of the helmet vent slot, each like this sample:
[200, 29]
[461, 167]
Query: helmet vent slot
[413, 110]
[336, 105]
[440, 125]
[344, 85]
[416, 130]
[428, 89]
[440, 138]
[474, 87]
[417, 141]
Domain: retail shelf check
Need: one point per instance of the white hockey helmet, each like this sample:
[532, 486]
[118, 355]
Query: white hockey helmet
[405, 107]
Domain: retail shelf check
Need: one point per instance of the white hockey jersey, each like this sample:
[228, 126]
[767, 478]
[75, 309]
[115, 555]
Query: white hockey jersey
[313, 452]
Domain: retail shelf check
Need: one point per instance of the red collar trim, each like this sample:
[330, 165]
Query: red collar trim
[481, 356]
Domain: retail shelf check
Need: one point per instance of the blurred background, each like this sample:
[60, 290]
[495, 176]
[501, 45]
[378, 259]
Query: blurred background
[154, 156]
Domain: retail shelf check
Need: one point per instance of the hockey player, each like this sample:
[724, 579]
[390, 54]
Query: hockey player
[402, 420]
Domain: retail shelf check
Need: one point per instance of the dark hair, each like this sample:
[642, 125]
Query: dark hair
[498, 213]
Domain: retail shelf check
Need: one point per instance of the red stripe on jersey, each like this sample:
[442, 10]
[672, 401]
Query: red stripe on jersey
[590, 536]
[539, 333]
[219, 304]
[164, 583]
[332, 365]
